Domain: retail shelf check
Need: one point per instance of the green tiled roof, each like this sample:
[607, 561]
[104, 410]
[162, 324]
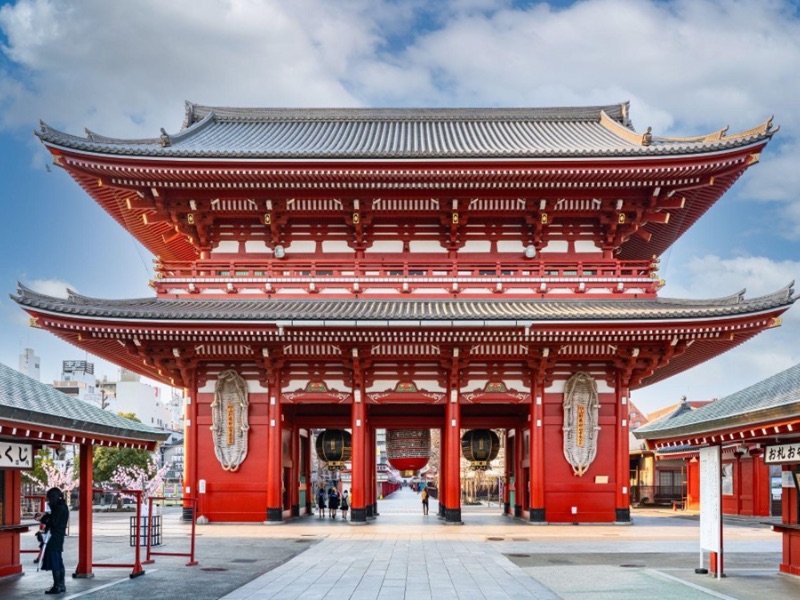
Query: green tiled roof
[33, 404]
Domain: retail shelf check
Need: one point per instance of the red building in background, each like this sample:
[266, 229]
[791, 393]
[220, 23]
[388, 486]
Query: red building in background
[445, 269]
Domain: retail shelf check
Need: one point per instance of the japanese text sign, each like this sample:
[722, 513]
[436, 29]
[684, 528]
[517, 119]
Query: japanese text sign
[16, 456]
[782, 453]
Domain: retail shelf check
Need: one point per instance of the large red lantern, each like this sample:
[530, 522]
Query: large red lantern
[480, 447]
[334, 447]
[408, 449]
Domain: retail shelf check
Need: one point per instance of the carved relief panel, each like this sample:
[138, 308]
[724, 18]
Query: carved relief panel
[581, 408]
[229, 413]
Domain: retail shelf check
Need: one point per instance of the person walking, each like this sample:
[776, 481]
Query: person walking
[424, 495]
[333, 502]
[55, 530]
[321, 497]
[345, 505]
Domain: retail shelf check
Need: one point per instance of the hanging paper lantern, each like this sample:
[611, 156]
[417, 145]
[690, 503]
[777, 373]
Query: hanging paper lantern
[480, 447]
[408, 449]
[335, 447]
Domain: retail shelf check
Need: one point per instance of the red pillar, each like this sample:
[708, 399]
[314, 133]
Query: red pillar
[372, 475]
[536, 456]
[441, 490]
[84, 568]
[358, 489]
[295, 473]
[190, 453]
[274, 457]
[623, 498]
[452, 511]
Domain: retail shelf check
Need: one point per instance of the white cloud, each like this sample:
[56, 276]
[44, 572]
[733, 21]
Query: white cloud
[50, 287]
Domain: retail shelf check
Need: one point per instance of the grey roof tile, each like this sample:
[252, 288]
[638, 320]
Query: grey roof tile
[203, 309]
[32, 403]
[272, 133]
[774, 397]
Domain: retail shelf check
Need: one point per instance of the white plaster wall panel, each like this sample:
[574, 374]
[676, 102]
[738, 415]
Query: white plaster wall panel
[468, 291]
[295, 291]
[559, 246]
[254, 386]
[177, 291]
[384, 291]
[226, 247]
[337, 246]
[429, 385]
[382, 385]
[294, 385]
[257, 247]
[510, 246]
[209, 387]
[477, 246]
[385, 247]
[340, 291]
[426, 247]
[430, 291]
[586, 246]
[526, 291]
[302, 247]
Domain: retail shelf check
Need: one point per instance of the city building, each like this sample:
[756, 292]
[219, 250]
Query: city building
[365, 269]
[29, 364]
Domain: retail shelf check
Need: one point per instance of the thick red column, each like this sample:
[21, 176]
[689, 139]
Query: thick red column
[84, 568]
[536, 458]
[358, 489]
[623, 498]
[452, 511]
[190, 452]
[274, 457]
[442, 470]
[295, 473]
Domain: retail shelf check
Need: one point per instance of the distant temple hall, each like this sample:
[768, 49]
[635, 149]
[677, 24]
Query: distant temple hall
[407, 269]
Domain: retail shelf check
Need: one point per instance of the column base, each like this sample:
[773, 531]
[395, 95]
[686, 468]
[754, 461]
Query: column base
[368, 511]
[274, 515]
[537, 515]
[295, 510]
[506, 508]
[623, 515]
[452, 516]
[375, 510]
[83, 575]
[187, 513]
[518, 511]
[358, 516]
[440, 513]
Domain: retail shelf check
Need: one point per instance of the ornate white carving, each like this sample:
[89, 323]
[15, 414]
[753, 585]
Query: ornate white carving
[229, 420]
[581, 407]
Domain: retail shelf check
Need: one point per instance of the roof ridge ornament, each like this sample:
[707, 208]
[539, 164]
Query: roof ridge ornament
[647, 137]
[164, 139]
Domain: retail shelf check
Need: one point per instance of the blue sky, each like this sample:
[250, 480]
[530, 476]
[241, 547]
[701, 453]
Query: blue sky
[125, 69]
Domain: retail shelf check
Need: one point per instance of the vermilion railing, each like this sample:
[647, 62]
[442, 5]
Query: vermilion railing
[361, 274]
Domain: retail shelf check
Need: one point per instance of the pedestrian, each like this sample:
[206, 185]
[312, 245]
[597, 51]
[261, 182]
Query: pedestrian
[321, 497]
[55, 530]
[424, 496]
[345, 505]
[333, 502]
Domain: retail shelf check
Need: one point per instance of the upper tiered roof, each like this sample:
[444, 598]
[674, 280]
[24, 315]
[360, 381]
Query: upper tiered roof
[405, 133]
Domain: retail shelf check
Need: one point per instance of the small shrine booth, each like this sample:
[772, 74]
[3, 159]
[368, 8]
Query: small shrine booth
[34, 415]
[756, 428]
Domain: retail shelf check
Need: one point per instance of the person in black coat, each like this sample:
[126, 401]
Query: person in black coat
[54, 547]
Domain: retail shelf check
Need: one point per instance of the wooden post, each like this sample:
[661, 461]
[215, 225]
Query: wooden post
[358, 488]
[452, 513]
[274, 456]
[622, 496]
[536, 455]
[84, 568]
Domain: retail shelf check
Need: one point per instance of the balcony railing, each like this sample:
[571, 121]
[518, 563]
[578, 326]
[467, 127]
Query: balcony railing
[361, 275]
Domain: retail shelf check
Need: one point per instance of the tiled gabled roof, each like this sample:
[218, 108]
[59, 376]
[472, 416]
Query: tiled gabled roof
[273, 310]
[32, 404]
[773, 398]
[405, 133]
